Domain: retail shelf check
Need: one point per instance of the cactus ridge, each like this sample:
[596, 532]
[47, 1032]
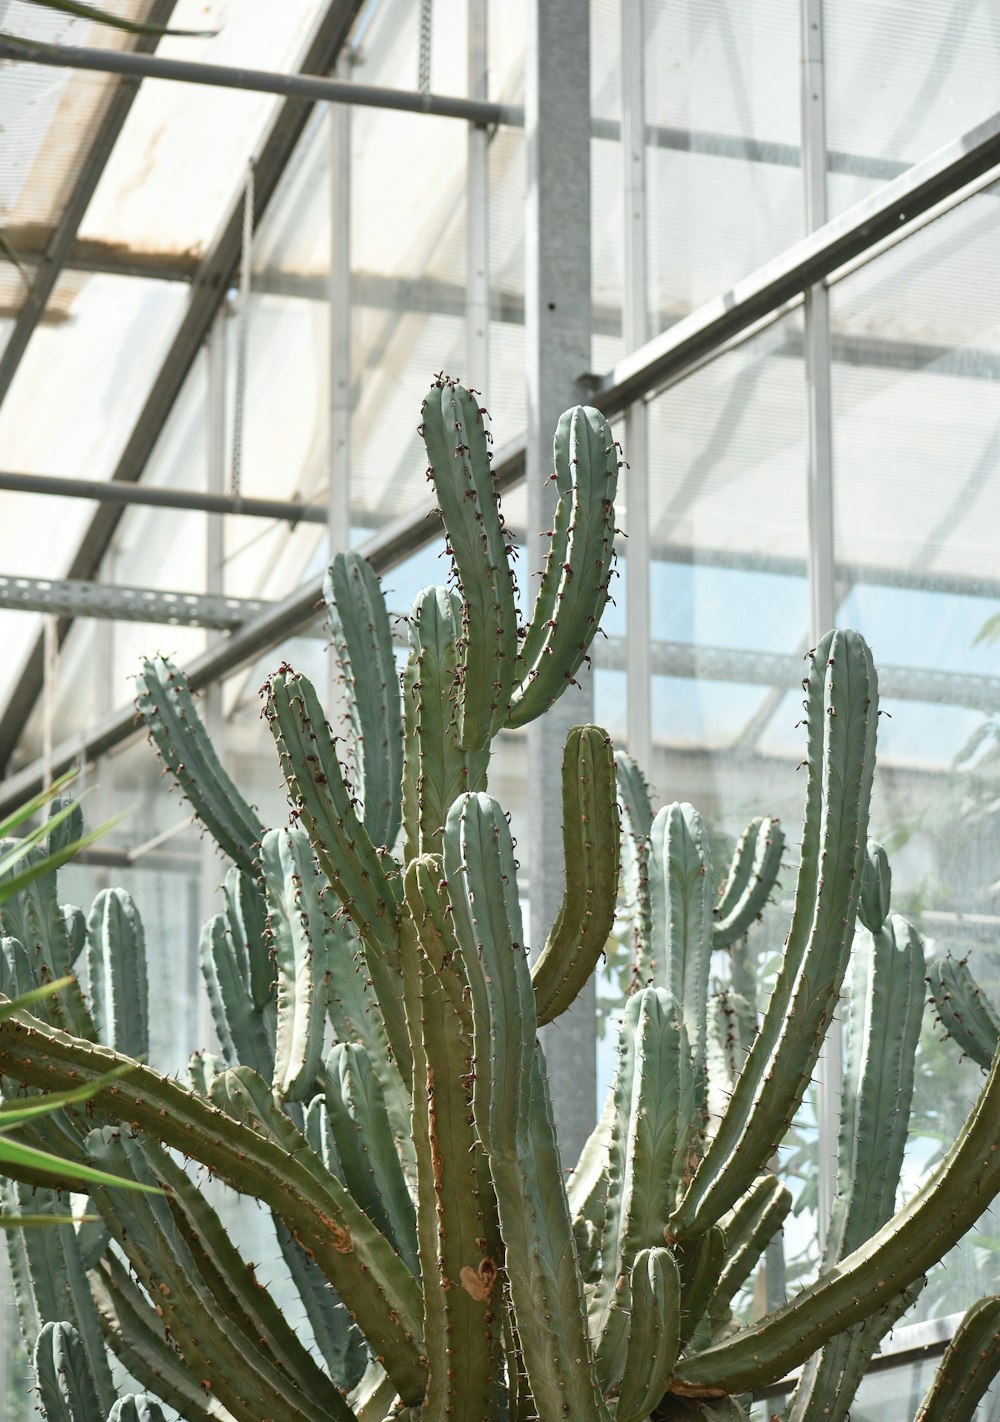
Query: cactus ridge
[455, 437]
[963, 1010]
[637, 821]
[117, 962]
[970, 1363]
[296, 926]
[362, 640]
[65, 1387]
[591, 844]
[680, 880]
[752, 876]
[167, 707]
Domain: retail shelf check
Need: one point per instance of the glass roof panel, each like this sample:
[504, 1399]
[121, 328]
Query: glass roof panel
[165, 188]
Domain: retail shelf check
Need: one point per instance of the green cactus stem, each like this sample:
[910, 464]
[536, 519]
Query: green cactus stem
[591, 841]
[750, 882]
[970, 1363]
[964, 1011]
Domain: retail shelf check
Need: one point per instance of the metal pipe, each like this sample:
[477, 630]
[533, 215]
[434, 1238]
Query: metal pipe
[313, 87]
[852, 234]
[115, 492]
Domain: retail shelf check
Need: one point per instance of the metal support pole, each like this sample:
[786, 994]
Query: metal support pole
[477, 233]
[339, 502]
[50, 689]
[557, 346]
[635, 326]
[821, 531]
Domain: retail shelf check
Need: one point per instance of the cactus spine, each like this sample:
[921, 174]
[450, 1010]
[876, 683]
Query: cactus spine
[411, 1165]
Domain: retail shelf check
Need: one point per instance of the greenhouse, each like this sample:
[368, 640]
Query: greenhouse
[501, 610]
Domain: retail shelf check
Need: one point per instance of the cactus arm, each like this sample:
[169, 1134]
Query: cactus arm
[269, 1162]
[436, 769]
[132, 1408]
[175, 728]
[246, 913]
[654, 1338]
[637, 821]
[135, 1334]
[841, 714]
[357, 872]
[752, 876]
[459, 467]
[243, 1374]
[883, 1029]
[650, 1135]
[963, 1009]
[513, 1115]
[575, 582]
[362, 641]
[374, 1398]
[916, 1237]
[65, 1388]
[830, 1379]
[38, 949]
[360, 1127]
[242, 1030]
[591, 845]
[461, 1249]
[970, 1363]
[355, 1017]
[748, 1228]
[680, 880]
[117, 961]
[700, 1262]
[337, 1338]
[232, 1282]
[297, 932]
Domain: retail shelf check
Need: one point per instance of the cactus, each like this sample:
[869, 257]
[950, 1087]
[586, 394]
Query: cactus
[381, 1087]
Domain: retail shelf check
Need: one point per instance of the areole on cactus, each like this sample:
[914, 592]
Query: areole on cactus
[381, 1088]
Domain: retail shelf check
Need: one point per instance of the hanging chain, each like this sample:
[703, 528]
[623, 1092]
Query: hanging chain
[242, 319]
[424, 60]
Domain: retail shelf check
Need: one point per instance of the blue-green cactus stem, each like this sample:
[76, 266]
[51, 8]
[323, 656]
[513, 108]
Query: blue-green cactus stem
[459, 467]
[700, 1262]
[245, 1035]
[577, 575]
[365, 880]
[893, 1258]
[732, 1025]
[204, 1323]
[436, 768]
[651, 1134]
[47, 937]
[296, 927]
[970, 1363]
[752, 876]
[637, 821]
[355, 1017]
[841, 714]
[233, 1284]
[460, 1247]
[587, 1190]
[887, 999]
[748, 1229]
[246, 912]
[963, 1009]
[135, 1407]
[361, 1132]
[680, 880]
[830, 1379]
[591, 844]
[266, 1157]
[513, 1114]
[175, 728]
[66, 1389]
[337, 1338]
[654, 1336]
[876, 888]
[134, 1332]
[117, 963]
[362, 641]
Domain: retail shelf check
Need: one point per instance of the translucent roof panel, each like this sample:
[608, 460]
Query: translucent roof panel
[901, 81]
[48, 117]
[166, 189]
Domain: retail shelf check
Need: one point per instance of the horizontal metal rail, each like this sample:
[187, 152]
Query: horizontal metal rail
[73, 597]
[881, 215]
[105, 491]
[312, 87]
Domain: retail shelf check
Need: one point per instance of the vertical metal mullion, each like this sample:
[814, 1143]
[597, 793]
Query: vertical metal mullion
[822, 597]
[635, 326]
[477, 235]
[557, 290]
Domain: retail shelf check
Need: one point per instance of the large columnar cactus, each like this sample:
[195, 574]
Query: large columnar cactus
[380, 1086]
